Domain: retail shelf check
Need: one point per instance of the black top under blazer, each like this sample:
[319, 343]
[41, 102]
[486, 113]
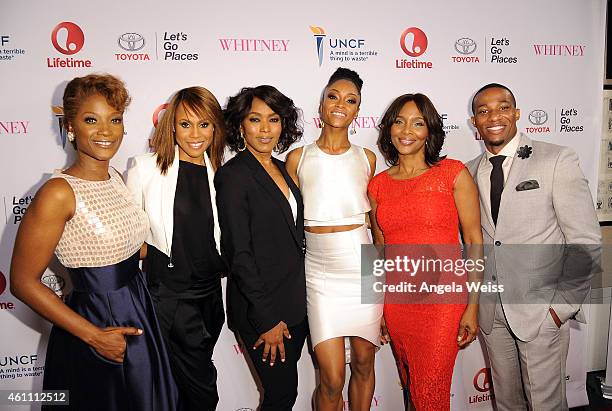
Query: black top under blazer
[262, 244]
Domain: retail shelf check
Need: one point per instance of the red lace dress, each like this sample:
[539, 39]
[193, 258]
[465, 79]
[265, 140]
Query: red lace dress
[421, 212]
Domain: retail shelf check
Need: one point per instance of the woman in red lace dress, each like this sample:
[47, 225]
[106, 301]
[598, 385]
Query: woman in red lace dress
[422, 199]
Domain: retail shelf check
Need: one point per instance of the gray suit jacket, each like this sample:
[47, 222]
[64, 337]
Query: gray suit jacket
[546, 244]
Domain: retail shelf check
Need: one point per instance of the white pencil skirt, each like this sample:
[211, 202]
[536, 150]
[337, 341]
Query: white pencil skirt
[333, 287]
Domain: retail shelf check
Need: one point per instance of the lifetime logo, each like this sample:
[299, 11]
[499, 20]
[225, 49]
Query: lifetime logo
[2, 282]
[482, 380]
[482, 384]
[4, 305]
[413, 41]
[157, 113]
[67, 38]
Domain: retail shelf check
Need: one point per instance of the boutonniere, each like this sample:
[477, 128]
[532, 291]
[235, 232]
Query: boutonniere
[524, 152]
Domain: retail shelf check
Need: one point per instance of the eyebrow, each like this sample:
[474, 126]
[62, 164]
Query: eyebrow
[96, 114]
[260, 114]
[338, 91]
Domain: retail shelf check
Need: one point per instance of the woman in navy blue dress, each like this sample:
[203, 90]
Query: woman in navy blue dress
[105, 347]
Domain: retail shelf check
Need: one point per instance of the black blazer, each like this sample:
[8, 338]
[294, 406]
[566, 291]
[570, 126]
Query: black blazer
[262, 244]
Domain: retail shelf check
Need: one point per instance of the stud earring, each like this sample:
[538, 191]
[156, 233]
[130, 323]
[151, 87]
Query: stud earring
[70, 136]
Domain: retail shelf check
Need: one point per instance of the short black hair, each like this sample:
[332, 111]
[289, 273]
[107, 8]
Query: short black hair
[435, 139]
[239, 106]
[488, 86]
[342, 73]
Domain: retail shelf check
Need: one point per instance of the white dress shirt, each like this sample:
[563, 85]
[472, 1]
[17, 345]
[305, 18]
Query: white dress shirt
[485, 168]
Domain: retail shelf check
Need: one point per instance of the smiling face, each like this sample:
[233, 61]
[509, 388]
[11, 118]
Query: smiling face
[193, 135]
[409, 130]
[98, 129]
[495, 117]
[340, 104]
[261, 128]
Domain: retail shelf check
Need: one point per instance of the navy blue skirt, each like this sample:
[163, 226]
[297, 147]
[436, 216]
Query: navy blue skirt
[111, 296]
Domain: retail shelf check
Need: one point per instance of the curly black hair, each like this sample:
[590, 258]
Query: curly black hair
[342, 73]
[239, 106]
[434, 141]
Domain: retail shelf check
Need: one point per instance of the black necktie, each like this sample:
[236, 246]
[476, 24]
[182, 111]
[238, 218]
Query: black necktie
[497, 185]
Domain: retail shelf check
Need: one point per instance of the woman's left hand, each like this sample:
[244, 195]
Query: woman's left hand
[468, 326]
[384, 333]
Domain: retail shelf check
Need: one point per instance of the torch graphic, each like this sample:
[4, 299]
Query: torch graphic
[319, 33]
[58, 111]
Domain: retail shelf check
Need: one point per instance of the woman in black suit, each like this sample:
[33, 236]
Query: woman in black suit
[262, 232]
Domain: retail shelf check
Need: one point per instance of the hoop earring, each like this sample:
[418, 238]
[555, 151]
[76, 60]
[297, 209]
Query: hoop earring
[243, 147]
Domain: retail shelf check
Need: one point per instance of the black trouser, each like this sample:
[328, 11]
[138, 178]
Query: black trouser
[191, 327]
[279, 382]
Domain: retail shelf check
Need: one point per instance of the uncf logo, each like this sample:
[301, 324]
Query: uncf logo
[67, 38]
[2, 283]
[482, 380]
[413, 41]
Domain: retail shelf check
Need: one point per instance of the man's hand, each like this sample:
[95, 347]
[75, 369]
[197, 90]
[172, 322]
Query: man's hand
[273, 339]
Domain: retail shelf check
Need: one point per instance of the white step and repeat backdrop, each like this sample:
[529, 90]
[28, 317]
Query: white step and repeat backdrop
[549, 52]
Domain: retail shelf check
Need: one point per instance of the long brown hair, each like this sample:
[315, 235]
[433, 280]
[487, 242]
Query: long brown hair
[202, 103]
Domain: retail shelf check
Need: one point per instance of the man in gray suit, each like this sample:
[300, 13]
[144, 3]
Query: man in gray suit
[538, 218]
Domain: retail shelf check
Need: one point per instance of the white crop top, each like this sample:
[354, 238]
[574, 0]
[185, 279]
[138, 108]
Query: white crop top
[334, 187]
[293, 205]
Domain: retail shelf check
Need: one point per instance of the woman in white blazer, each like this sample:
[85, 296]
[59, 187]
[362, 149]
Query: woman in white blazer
[174, 185]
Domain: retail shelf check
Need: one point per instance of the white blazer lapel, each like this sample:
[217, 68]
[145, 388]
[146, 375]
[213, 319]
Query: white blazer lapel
[167, 200]
[213, 202]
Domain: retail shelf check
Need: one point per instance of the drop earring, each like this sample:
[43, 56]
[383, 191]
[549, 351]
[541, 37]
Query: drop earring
[243, 142]
[70, 136]
[353, 130]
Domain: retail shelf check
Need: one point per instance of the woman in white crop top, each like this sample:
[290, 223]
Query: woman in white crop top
[333, 175]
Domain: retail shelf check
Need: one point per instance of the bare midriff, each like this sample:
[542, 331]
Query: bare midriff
[331, 229]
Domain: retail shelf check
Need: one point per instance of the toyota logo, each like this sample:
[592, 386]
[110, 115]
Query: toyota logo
[67, 38]
[465, 46]
[413, 45]
[538, 117]
[131, 41]
[54, 282]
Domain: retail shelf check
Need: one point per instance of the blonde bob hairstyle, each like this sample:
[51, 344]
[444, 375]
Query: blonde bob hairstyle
[204, 105]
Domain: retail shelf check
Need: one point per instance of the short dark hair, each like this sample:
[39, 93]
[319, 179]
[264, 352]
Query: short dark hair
[342, 73]
[435, 140]
[239, 106]
[81, 88]
[488, 86]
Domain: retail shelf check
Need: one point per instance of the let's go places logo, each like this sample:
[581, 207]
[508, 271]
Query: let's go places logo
[413, 42]
[68, 39]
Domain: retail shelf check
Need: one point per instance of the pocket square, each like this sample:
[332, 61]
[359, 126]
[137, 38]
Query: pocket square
[527, 185]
